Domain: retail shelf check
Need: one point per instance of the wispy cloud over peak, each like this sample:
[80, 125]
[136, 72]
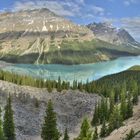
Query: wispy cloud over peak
[69, 8]
[129, 2]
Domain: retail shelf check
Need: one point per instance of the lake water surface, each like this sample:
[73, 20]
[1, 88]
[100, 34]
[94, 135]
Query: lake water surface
[75, 72]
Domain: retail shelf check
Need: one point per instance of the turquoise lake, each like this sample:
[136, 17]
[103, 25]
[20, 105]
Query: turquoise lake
[80, 72]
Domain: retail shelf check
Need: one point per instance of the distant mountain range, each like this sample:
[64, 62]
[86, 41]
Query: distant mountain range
[40, 36]
[108, 33]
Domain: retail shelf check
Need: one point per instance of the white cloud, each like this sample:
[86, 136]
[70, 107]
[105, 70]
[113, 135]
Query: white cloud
[98, 10]
[129, 2]
[132, 25]
[55, 6]
[71, 8]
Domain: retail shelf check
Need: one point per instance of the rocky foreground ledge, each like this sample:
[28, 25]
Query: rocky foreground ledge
[29, 106]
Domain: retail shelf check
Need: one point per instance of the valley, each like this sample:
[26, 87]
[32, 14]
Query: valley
[66, 80]
[69, 73]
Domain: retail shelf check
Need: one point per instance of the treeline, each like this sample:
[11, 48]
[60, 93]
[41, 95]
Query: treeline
[111, 113]
[102, 86]
[34, 82]
[115, 82]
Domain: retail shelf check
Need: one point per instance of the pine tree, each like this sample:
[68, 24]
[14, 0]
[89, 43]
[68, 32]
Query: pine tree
[49, 129]
[135, 92]
[115, 120]
[95, 119]
[85, 133]
[80, 86]
[49, 87]
[8, 125]
[66, 137]
[75, 85]
[1, 129]
[111, 101]
[103, 110]
[123, 108]
[106, 109]
[135, 98]
[129, 108]
[59, 87]
[95, 135]
[103, 132]
[84, 128]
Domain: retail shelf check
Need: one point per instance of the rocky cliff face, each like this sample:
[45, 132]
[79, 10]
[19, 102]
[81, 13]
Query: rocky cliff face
[108, 33]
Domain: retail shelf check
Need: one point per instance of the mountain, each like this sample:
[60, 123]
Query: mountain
[35, 31]
[108, 33]
[40, 36]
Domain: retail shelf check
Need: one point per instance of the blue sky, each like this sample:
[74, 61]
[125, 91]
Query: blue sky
[121, 13]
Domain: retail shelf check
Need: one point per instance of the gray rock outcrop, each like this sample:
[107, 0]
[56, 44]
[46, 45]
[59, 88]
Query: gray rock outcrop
[29, 105]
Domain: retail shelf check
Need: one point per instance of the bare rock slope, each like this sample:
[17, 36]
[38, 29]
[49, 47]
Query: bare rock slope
[34, 32]
[109, 33]
[29, 106]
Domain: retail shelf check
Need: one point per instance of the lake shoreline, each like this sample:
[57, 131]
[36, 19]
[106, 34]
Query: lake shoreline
[82, 72]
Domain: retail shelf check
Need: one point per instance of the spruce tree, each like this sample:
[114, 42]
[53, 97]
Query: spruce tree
[1, 129]
[95, 119]
[66, 137]
[59, 86]
[123, 108]
[85, 133]
[112, 101]
[49, 87]
[49, 129]
[115, 120]
[135, 92]
[75, 85]
[129, 108]
[103, 132]
[8, 125]
[135, 98]
[84, 128]
[106, 109]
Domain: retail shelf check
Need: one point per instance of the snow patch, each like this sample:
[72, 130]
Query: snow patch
[31, 22]
[51, 26]
[136, 47]
[58, 47]
[44, 27]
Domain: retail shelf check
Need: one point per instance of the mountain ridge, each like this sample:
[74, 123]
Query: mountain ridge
[107, 32]
[39, 36]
